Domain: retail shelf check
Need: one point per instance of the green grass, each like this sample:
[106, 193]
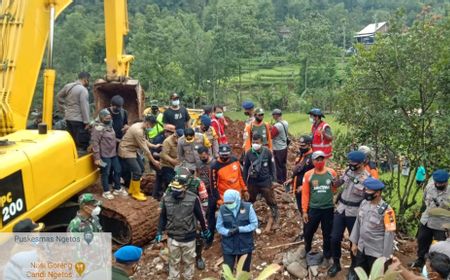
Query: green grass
[298, 123]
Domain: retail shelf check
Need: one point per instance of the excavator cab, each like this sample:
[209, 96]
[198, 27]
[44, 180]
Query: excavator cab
[130, 90]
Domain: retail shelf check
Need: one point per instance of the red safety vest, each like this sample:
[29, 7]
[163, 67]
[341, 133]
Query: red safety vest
[220, 130]
[320, 143]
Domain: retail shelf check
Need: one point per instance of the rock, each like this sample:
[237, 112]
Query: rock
[159, 267]
[294, 255]
[297, 270]
[278, 258]
[258, 231]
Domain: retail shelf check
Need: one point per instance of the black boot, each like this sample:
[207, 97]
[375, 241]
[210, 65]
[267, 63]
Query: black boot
[419, 263]
[200, 263]
[352, 275]
[198, 251]
[334, 269]
[276, 217]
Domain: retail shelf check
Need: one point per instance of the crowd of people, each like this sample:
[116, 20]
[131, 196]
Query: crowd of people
[203, 188]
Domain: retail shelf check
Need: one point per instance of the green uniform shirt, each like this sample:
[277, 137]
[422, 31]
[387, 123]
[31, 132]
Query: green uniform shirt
[321, 195]
[261, 130]
[119, 274]
[82, 224]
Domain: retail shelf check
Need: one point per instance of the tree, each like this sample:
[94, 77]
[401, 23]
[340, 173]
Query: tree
[397, 99]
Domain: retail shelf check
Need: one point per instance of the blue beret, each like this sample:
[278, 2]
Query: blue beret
[373, 184]
[128, 254]
[180, 132]
[205, 120]
[440, 176]
[356, 156]
[248, 105]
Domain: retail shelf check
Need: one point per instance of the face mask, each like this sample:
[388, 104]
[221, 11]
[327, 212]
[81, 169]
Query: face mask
[311, 119]
[353, 167]
[440, 188]
[176, 102]
[319, 164]
[116, 110]
[177, 194]
[107, 122]
[224, 159]
[219, 115]
[205, 128]
[257, 119]
[231, 206]
[155, 111]
[96, 211]
[190, 139]
[205, 160]
[369, 196]
[256, 147]
[247, 113]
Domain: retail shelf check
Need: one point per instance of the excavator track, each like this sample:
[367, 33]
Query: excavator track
[130, 221]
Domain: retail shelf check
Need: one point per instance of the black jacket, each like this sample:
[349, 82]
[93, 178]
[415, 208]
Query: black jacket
[259, 168]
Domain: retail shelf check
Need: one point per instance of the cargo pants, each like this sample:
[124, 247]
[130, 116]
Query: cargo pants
[181, 251]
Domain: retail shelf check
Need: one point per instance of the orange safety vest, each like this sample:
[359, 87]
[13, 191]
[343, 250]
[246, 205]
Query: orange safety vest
[320, 143]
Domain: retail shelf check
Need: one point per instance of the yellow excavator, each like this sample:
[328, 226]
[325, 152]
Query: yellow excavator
[40, 170]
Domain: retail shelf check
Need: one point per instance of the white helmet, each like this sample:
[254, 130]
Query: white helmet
[366, 150]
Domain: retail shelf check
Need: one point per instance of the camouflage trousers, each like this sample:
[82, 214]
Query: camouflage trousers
[181, 251]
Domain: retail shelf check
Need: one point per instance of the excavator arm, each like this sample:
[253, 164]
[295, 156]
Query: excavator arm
[25, 27]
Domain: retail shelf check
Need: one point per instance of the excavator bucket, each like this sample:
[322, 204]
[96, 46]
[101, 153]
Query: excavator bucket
[130, 90]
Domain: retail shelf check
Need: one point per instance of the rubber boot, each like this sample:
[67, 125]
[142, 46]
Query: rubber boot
[334, 269]
[200, 263]
[276, 217]
[135, 190]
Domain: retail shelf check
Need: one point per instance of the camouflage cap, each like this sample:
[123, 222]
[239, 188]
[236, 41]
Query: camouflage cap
[154, 103]
[88, 198]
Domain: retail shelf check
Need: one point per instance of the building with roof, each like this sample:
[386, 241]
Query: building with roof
[367, 35]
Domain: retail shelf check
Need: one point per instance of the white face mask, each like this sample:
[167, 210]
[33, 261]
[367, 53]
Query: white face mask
[96, 211]
[311, 119]
[176, 102]
[256, 147]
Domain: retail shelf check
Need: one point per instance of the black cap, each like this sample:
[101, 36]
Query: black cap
[117, 100]
[224, 150]
[305, 139]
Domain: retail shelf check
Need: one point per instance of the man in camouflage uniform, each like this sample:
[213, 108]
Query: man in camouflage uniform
[87, 218]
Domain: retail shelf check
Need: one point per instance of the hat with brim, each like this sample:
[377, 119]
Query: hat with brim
[318, 154]
[316, 112]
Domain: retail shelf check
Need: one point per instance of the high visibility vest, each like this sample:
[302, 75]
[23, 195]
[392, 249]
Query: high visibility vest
[319, 142]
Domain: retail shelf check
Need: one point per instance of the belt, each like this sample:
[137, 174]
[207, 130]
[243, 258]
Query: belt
[350, 203]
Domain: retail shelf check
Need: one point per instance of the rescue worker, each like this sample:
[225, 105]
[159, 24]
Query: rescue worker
[159, 126]
[219, 123]
[225, 174]
[186, 177]
[248, 107]
[176, 115]
[303, 163]
[188, 145]
[259, 173]
[321, 133]
[369, 165]
[158, 186]
[436, 194]
[87, 217]
[347, 204]
[126, 261]
[210, 133]
[180, 212]
[119, 116]
[73, 102]
[260, 127]
[280, 139]
[134, 141]
[104, 141]
[374, 230]
[236, 223]
[317, 203]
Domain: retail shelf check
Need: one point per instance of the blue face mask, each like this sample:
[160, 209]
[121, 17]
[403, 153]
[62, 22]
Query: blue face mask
[231, 206]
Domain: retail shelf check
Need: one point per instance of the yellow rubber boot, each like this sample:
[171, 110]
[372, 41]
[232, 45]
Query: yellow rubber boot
[135, 190]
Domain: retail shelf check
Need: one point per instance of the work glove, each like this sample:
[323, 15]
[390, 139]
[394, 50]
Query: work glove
[158, 238]
[206, 234]
[233, 231]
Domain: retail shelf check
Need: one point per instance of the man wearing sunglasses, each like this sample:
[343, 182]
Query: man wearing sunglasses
[347, 206]
[258, 126]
